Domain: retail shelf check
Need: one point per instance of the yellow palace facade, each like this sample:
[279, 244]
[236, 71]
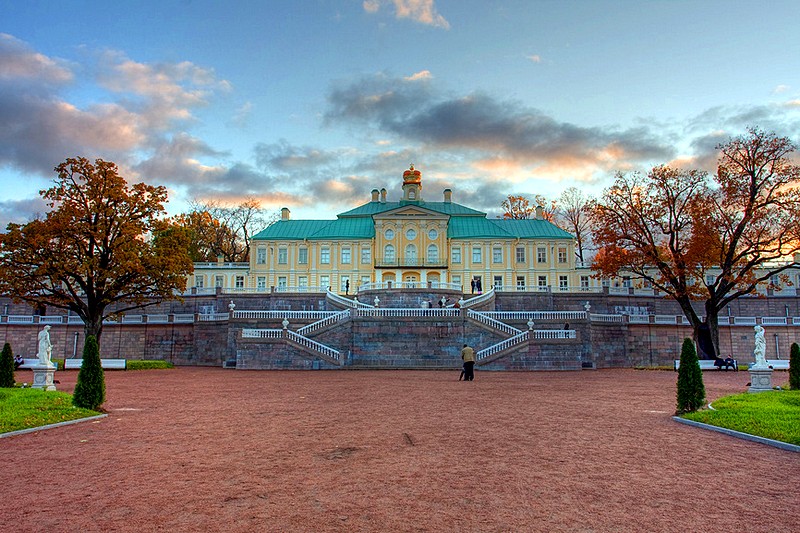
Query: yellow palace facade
[408, 243]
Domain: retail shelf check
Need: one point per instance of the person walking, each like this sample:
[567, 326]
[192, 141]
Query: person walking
[468, 356]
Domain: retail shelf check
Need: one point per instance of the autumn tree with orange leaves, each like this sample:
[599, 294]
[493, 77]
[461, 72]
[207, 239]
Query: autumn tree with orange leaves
[103, 248]
[700, 238]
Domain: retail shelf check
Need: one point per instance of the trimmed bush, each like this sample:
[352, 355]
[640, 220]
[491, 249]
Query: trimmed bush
[691, 391]
[7, 367]
[90, 389]
[147, 364]
[794, 367]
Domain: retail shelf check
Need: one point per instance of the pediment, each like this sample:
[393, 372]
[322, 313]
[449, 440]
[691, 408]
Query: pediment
[411, 212]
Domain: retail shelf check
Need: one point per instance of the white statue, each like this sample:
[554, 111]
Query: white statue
[377, 301]
[45, 348]
[231, 306]
[761, 348]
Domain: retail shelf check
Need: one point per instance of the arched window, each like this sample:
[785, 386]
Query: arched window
[433, 253]
[388, 253]
[411, 254]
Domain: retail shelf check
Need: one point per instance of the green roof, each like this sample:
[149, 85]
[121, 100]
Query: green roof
[289, 230]
[464, 223]
[473, 227]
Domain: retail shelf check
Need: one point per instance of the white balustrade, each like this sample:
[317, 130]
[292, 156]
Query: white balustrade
[489, 321]
[262, 333]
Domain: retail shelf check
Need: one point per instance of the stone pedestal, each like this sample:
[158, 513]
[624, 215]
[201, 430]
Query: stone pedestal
[760, 379]
[43, 377]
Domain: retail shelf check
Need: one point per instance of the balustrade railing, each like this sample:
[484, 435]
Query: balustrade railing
[331, 319]
[491, 322]
[408, 312]
[314, 346]
[536, 315]
[290, 315]
[262, 333]
[479, 299]
[502, 345]
[554, 334]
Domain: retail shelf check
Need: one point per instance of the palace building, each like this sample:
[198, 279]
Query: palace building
[412, 242]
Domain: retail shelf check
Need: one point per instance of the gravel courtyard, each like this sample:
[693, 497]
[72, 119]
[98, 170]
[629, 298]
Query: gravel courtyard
[206, 449]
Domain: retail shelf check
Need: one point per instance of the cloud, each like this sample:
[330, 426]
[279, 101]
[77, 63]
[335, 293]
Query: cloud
[19, 62]
[421, 75]
[780, 89]
[535, 58]
[421, 11]
[21, 211]
[485, 127]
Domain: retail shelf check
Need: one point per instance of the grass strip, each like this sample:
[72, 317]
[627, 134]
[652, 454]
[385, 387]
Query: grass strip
[770, 414]
[29, 408]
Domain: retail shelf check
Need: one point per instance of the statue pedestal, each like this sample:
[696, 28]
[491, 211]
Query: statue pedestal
[43, 377]
[760, 379]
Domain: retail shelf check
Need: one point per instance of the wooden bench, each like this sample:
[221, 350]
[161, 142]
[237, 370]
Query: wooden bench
[108, 364]
[778, 364]
[708, 364]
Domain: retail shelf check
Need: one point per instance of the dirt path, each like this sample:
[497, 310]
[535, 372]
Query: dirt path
[223, 450]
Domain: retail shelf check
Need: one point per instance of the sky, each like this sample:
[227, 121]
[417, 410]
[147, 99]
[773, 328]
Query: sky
[311, 104]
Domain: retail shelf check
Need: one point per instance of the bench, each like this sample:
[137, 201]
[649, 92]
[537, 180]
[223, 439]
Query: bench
[108, 364]
[778, 364]
[708, 364]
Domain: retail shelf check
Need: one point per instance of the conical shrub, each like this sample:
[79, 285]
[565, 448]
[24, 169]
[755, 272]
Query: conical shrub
[90, 389]
[7, 367]
[794, 367]
[691, 391]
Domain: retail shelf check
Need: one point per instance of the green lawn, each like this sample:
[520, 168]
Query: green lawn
[29, 408]
[771, 414]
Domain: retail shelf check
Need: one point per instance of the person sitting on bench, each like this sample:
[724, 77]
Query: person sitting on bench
[728, 362]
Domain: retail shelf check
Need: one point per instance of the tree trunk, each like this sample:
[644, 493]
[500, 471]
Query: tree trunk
[93, 325]
[712, 320]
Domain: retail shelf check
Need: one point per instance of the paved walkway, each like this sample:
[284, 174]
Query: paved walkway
[224, 450]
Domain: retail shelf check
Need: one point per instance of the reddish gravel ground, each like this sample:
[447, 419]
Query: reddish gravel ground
[202, 449]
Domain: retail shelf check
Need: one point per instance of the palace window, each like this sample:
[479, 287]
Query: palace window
[411, 252]
[542, 283]
[497, 254]
[199, 281]
[562, 255]
[345, 256]
[219, 281]
[584, 283]
[541, 254]
[476, 255]
[498, 283]
[563, 283]
[366, 256]
[324, 282]
[388, 253]
[302, 281]
[282, 281]
[239, 282]
[302, 256]
[261, 283]
[261, 256]
[433, 253]
[455, 254]
[520, 283]
[283, 256]
[325, 255]
[520, 254]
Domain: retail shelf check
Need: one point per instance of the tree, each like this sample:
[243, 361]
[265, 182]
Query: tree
[794, 367]
[224, 231]
[90, 388]
[573, 214]
[691, 390]
[519, 207]
[700, 239]
[101, 251]
[7, 366]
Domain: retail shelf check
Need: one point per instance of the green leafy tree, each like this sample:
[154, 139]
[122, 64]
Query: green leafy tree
[90, 389]
[794, 367]
[7, 367]
[691, 391]
[102, 250]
